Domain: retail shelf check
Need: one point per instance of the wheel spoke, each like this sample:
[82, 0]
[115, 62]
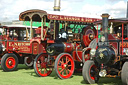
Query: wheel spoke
[62, 60]
[40, 70]
[69, 65]
[44, 71]
[66, 72]
[39, 67]
[59, 66]
[42, 59]
[61, 70]
[67, 60]
[69, 70]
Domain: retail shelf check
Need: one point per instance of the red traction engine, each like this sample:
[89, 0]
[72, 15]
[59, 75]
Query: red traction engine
[63, 54]
[109, 57]
[59, 42]
[14, 47]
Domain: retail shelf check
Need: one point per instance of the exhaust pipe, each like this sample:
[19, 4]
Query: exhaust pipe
[127, 10]
[127, 17]
[105, 26]
[56, 5]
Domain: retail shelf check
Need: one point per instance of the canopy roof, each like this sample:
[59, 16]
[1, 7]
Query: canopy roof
[16, 26]
[116, 20]
[36, 15]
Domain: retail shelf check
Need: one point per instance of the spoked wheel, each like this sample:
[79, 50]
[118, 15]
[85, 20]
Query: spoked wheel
[90, 72]
[43, 65]
[124, 74]
[64, 66]
[9, 62]
[88, 34]
[28, 61]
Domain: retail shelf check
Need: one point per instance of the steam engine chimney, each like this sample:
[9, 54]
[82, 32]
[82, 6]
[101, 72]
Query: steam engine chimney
[105, 25]
[127, 10]
[56, 5]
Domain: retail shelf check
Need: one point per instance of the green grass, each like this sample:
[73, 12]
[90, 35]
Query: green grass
[26, 76]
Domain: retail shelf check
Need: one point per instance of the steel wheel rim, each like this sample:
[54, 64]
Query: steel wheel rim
[29, 60]
[10, 62]
[86, 35]
[92, 72]
[65, 66]
[41, 66]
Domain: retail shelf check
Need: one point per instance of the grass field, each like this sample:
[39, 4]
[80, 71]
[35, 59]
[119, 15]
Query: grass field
[27, 76]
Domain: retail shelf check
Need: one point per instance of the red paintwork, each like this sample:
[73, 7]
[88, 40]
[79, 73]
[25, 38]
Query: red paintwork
[10, 62]
[50, 41]
[42, 66]
[57, 17]
[92, 76]
[75, 57]
[19, 46]
[87, 32]
[71, 18]
[68, 47]
[65, 66]
[38, 30]
[38, 45]
[115, 44]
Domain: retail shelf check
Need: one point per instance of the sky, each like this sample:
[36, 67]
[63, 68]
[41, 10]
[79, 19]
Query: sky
[10, 9]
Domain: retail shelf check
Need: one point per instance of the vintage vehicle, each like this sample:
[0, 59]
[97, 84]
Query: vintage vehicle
[59, 41]
[109, 53]
[15, 47]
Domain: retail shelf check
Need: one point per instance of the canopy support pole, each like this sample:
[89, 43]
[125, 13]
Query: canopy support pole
[31, 31]
[42, 25]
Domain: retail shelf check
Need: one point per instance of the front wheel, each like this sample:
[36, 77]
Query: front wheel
[124, 74]
[90, 72]
[64, 66]
[43, 66]
[9, 62]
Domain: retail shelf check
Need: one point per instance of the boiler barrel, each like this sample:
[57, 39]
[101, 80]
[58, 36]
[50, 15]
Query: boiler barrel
[57, 48]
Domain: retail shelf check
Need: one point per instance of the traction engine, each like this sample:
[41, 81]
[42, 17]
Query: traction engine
[108, 53]
[62, 52]
[59, 42]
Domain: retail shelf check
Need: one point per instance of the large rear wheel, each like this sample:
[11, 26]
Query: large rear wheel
[9, 62]
[43, 65]
[124, 74]
[88, 34]
[90, 72]
[64, 66]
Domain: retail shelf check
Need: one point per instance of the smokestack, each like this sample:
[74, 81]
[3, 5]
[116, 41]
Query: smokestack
[127, 17]
[56, 5]
[105, 25]
[127, 10]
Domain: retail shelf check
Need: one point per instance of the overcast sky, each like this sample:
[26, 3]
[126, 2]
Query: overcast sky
[10, 9]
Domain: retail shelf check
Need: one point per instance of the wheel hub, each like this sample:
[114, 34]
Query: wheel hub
[64, 66]
[10, 62]
[43, 65]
